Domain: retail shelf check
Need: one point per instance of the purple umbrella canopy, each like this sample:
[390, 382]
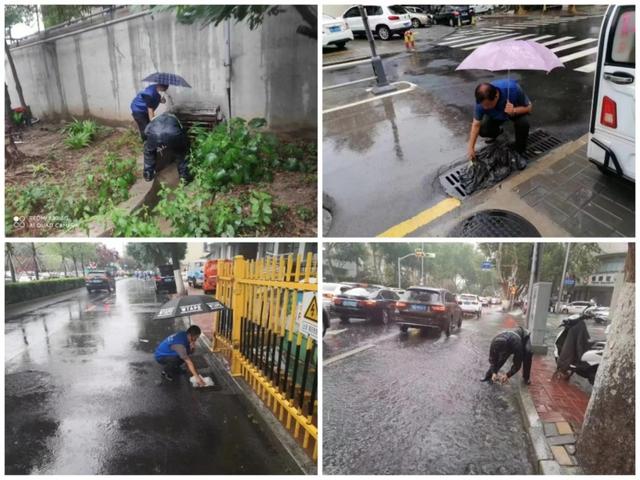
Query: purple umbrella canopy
[511, 55]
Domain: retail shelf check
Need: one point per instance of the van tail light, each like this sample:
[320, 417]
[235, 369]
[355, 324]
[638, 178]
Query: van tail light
[609, 115]
[438, 308]
[401, 305]
[158, 278]
[393, 17]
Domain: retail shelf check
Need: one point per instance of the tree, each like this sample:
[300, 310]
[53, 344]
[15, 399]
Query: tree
[606, 445]
[34, 253]
[9, 254]
[13, 15]
[512, 265]
[254, 15]
[154, 254]
[57, 14]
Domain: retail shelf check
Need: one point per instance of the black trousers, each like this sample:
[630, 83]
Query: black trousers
[178, 146]
[527, 359]
[171, 364]
[490, 128]
[142, 120]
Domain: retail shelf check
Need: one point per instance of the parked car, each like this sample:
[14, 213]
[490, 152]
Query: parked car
[470, 304]
[484, 301]
[612, 129]
[481, 9]
[419, 17]
[426, 307]
[385, 21]
[495, 301]
[335, 32]
[165, 280]
[326, 318]
[453, 15]
[575, 307]
[371, 303]
[330, 290]
[100, 279]
[195, 274]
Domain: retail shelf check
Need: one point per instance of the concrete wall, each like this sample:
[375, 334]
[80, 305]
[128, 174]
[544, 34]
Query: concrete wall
[98, 72]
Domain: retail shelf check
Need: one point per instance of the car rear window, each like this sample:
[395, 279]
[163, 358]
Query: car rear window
[362, 292]
[397, 9]
[166, 270]
[623, 45]
[97, 273]
[469, 298]
[427, 296]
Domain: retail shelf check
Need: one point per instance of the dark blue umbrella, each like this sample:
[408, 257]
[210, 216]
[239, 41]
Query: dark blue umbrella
[164, 78]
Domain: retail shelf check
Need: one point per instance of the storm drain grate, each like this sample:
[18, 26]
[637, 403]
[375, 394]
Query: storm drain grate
[540, 142]
[494, 223]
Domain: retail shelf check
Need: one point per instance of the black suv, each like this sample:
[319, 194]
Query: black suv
[100, 279]
[426, 307]
[453, 15]
[371, 303]
[165, 281]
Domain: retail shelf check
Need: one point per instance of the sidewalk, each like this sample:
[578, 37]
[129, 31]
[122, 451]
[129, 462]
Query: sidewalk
[561, 195]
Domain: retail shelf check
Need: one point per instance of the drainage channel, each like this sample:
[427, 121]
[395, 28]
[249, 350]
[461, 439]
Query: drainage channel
[540, 142]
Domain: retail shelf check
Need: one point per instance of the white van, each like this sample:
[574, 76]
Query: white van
[612, 130]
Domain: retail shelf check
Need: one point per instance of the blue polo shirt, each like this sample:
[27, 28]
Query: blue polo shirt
[516, 96]
[147, 98]
[165, 350]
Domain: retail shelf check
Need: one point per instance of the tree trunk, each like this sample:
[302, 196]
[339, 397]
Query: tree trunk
[16, 80]
[75, 265]
[7, 103]
[12, 268]
[606, 444]
[35, 260]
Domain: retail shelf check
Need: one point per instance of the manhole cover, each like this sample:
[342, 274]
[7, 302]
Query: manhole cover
[494, 223]
[540, 142]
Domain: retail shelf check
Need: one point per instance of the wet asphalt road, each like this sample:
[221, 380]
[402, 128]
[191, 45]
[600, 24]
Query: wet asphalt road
[83, 395]
[413, 404]
[382, 159]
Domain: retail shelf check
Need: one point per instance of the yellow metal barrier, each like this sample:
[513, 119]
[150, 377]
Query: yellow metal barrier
[267, 336]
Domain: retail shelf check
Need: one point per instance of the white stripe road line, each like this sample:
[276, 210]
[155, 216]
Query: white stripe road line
[336, 332]
[373, 99]
[540, 38]
[346, 64]
[345, 84]
[489, 41]
[557, 40]
[344, 355]
[588, 68]
[574, 44]
[467, 37]
[583, 53]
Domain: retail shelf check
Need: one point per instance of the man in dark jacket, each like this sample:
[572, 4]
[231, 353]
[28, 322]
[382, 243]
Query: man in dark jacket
[505, 344]
[165, 133]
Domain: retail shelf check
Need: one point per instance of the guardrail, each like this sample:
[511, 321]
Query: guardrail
[268, 336]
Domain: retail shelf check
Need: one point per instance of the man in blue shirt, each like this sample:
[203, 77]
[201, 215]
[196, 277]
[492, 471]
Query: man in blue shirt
[497, 102]
[174, 350]
[143, 106]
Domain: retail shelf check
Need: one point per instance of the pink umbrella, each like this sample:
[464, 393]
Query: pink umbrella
[511, 55]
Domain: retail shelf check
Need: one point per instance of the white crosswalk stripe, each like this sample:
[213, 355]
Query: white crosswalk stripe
[489, 41]
[583, 53]
[540, 38]
[574, 44]
[557, 40]
[482, 40]
[487, 35]
[588, 68]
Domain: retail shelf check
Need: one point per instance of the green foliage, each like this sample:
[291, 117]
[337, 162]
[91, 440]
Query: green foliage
[17, 118]
[127, 225]
[15, 14]
[80, 133]
[260, 213]
[23, 291]
[187, 209]
[304, 213]
[39, 169]
[113, 179]
[56, 14]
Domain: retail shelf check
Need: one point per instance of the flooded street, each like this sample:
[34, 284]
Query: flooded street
[84, 395]
[413, 404]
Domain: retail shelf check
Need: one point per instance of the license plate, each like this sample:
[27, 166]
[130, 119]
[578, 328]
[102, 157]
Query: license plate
[419, 308]
[167, 280]
[347, 303]
[96, 281]
[334, 29]
[406, 24]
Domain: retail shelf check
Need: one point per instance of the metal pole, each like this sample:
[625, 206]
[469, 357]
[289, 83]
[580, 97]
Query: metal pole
[564, 273]
[422, 267]
[532, 277]
[399, 273]
[382, 84]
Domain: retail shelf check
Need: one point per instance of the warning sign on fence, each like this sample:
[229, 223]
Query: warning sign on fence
[307, 322]
[311, 312]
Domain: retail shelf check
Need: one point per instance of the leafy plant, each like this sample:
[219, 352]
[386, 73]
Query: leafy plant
[187, 209]
[260, 213]
[140, 224]
[39, 169]
[17, 117]
[304, 213]
[80, 133]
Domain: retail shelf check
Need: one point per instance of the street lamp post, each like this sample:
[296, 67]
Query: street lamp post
[382, 84]
[564, 273]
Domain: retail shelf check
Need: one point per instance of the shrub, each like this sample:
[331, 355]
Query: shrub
[20, 292]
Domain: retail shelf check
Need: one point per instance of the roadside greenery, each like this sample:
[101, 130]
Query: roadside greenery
[80, 133]
[20, 292]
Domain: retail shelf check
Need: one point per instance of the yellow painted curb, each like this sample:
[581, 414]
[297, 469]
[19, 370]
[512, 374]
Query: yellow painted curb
[430, 214]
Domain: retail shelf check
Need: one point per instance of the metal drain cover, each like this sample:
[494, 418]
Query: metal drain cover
[494, 223]
[539, 143]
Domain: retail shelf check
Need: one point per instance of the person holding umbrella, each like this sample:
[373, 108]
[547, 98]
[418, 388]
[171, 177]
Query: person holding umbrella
[497, 102]
[144, 105]
[175, 350]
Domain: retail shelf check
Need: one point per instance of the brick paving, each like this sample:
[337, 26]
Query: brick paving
[575, 195]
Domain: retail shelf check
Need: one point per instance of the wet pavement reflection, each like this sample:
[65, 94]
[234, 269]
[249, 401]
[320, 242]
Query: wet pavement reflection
[84, 396]
[413, 403]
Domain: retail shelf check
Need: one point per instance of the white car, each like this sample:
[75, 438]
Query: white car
[470, 304]
[419, 17]
[612, 128]
[385, 21]
[330, 290]
[482, 8]
[335, 32]
[575, 307]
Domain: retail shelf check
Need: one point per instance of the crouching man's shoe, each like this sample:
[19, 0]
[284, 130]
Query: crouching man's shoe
[149, 176]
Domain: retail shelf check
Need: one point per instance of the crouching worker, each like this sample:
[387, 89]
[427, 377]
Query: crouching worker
[174, 351]
[165, 133]
[505, 344]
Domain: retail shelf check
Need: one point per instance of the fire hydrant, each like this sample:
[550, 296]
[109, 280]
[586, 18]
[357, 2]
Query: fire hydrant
[410, 41]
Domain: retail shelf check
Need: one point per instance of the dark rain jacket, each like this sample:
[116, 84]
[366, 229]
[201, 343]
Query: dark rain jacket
[504, 345]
